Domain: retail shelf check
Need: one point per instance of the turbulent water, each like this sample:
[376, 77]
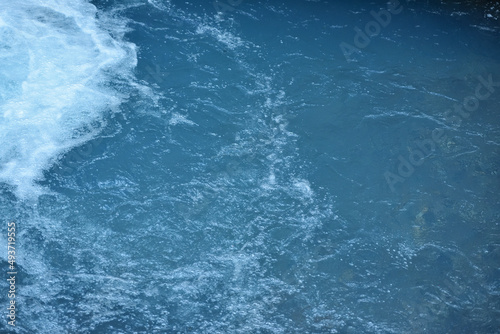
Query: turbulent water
[250, 167]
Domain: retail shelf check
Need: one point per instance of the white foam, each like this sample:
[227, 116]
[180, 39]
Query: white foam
[304, 188]
[180, 119]
[160, 5]
[58, 68]
[228, 39]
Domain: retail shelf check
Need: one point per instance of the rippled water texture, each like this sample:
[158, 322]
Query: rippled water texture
[250, 167]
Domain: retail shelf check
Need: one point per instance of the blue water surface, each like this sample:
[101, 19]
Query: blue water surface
[251, 167]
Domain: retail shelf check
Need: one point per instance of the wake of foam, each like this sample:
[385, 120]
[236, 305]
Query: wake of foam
[59, 73]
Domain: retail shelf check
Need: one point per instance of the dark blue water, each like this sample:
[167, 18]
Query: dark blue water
[250, 167]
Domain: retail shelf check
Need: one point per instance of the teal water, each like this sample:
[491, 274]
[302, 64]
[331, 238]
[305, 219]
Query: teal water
[228, 167]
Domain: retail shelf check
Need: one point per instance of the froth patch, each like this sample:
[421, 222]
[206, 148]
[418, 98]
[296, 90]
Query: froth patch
[59, 72]
[224, 37]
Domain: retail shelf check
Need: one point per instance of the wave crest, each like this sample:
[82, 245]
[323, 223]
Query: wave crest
[60, 71]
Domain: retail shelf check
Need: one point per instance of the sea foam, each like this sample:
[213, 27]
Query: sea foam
[61, 70]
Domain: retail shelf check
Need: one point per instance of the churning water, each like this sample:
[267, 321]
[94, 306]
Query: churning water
[250, 167]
